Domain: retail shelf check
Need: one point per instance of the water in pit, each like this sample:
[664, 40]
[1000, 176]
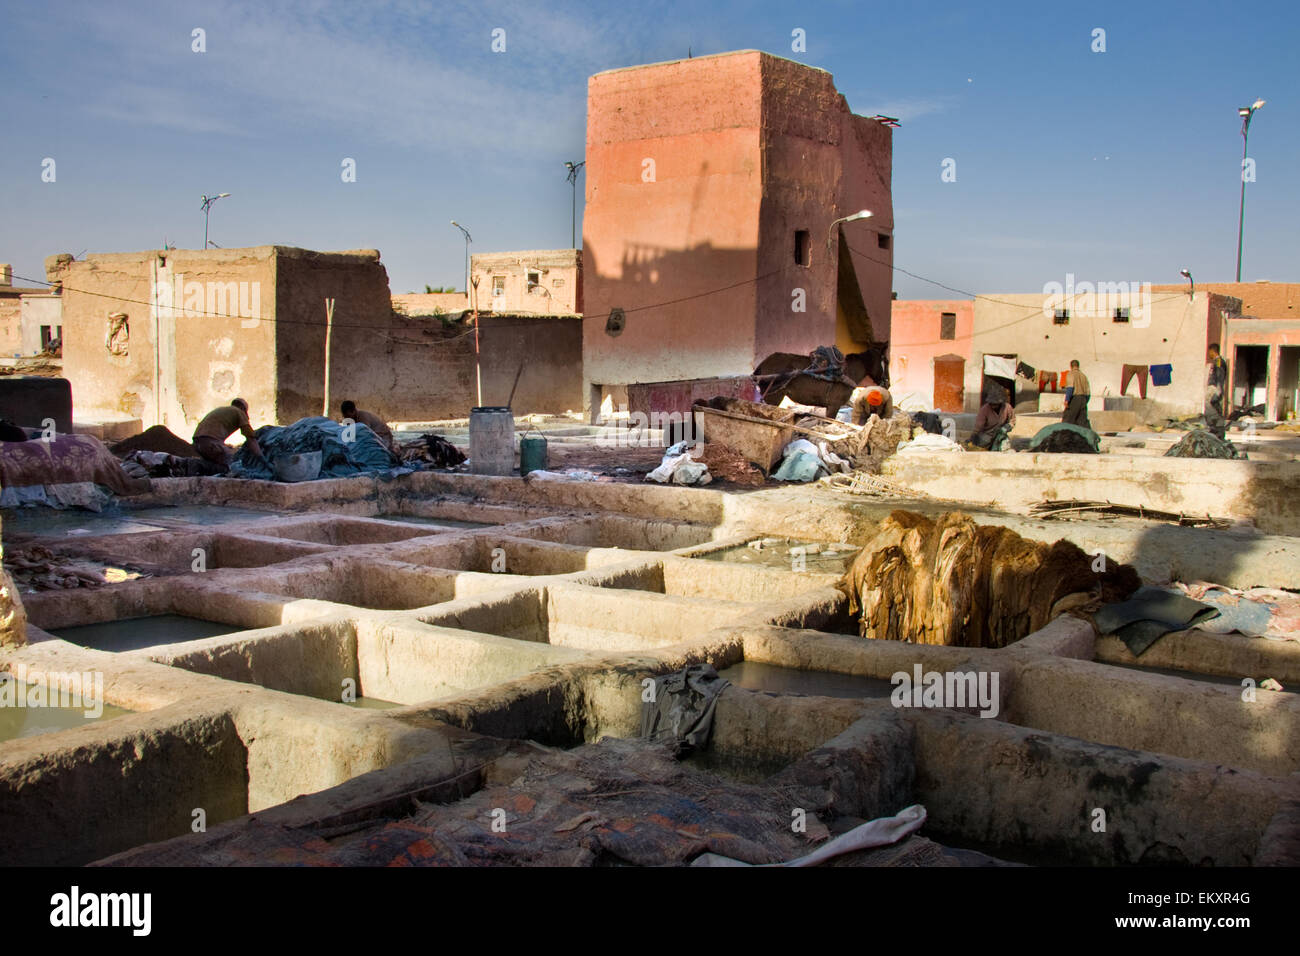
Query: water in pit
[448, 523]
[205, 515]
[772, 679]
[139, 632]
[1290, 688]
[371, 703]
[16, 722]
[73, 523]
[818, 556]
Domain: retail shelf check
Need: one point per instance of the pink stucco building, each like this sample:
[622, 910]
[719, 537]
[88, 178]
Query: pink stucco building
[711, 187]
[930, 342]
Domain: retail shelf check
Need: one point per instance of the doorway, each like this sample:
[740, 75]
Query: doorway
[1250, 377]
[1288, 383]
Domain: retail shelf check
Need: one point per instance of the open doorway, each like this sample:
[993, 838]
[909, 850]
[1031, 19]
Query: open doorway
[1002, 370]
[1288, 383]
[1250, 378]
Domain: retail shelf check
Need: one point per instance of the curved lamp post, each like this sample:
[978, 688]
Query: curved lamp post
[1246, 112]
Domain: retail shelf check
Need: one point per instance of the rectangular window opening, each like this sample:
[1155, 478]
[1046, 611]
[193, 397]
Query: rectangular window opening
[802, 248]
[948, 326]
[882, 240]
[1121, 315]
[498, 285]
[1062, 317]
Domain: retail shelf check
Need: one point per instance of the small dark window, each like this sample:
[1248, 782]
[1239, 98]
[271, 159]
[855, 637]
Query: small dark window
[1121, 315]
[1062, 317]
[948, 326]
[45, 336]
[801, 247]
[882, 240]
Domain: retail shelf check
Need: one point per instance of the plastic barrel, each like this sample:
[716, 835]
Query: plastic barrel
[491, 441]
[532, 454]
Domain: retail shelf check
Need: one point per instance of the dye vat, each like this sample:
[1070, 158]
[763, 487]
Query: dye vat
[787, 554]
[449, 523]
[205, 515]
[135, 633]
[51, 523]
[16, 722]
[1289, 688]
[772, 679]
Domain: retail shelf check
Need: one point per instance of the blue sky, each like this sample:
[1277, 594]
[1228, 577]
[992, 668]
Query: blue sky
[1122, 165]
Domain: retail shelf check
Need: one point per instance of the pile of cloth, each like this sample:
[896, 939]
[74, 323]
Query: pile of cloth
[365, 454]
[72, 494]
[432, 450]
[681, 465]
[158, 438]
[1062, 437]
[1199, 443]
[950, 581]
[928, 442]
[64, 459]
[804, 461]
[1153, 612]
[157, 464]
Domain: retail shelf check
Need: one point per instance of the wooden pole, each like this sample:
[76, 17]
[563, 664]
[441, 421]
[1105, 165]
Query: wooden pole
[329, 334]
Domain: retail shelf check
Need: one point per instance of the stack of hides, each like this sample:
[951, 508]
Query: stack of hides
[950, 581]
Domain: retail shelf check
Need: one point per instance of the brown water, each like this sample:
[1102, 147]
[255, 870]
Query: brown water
[16, 722]
[772, 679]
[817, 556]
[134, 633]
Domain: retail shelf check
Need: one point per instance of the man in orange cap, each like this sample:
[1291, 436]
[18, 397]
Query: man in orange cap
[871, 400]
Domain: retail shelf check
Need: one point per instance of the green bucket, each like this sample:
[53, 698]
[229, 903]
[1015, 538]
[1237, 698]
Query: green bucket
[532, 453]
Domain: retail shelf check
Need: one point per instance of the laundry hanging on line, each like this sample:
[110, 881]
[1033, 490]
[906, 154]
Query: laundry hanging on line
[999, 366]
[1162, 374]
[1127, 373]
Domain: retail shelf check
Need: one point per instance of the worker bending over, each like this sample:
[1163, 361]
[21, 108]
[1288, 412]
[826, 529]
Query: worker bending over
[218, 425]
[371, 421]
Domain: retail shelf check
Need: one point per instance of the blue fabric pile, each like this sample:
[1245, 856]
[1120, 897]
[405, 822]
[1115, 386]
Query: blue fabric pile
[364, 454]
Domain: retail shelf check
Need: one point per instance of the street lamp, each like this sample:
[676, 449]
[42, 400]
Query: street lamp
[1246, 112]
[573, 178]
[1186, 274]
[207, 207]
[468, 240]
[478, 372]
[862, 214]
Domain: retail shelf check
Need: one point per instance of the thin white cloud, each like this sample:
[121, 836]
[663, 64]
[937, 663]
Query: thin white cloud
[902, 108]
